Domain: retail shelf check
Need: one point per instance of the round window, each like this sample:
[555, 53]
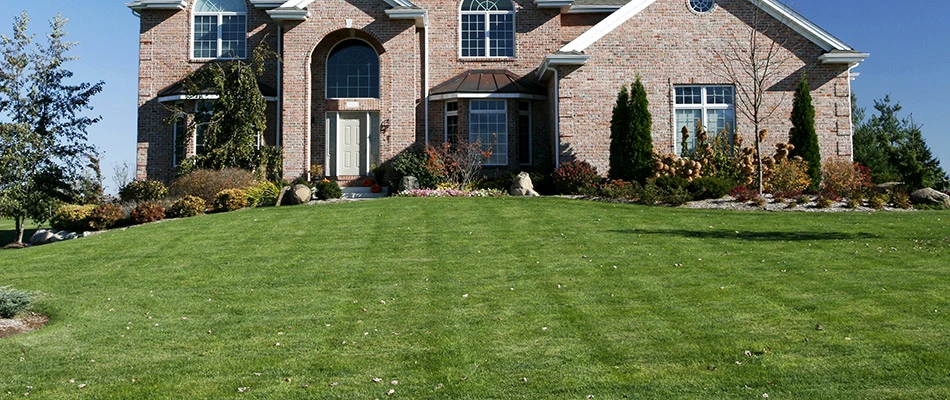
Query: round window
[702, 6]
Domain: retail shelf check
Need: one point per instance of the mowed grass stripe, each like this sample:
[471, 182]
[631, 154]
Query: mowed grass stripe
[470, 285]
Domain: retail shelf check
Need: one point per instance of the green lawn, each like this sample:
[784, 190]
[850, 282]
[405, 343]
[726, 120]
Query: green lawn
[504, 298]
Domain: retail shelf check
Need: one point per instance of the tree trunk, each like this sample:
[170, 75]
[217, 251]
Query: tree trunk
[19, 230]
[758, 155]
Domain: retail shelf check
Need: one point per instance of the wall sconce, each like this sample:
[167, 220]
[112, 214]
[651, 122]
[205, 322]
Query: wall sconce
[384, 125]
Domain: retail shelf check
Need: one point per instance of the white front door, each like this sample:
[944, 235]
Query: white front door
[349, 144]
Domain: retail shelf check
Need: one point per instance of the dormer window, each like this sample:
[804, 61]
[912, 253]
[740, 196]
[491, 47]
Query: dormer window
[220, 29]
[487, 28]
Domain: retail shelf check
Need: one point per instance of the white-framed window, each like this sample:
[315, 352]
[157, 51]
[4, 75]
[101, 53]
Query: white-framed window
[219, 29]
[487, 28]
[488, 126]
[524, 132]
[712, 106]
[451, 121]
[702, 6]
[353, 71]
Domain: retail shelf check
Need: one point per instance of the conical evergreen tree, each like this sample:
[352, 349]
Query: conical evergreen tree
[803, 135]
[631, 143]
[620, 137]
[641, 122]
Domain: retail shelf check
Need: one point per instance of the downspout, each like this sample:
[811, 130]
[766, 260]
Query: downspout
[280, 84]
[425, 79]
[557, 114]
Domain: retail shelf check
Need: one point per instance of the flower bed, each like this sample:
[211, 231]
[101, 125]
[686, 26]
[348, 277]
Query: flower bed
[451, 193]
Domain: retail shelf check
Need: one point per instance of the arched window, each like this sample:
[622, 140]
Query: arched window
[353, 71]
[488, 28]
[220, 29]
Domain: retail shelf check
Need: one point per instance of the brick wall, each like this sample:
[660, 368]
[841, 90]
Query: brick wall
[165, 59]
[668, 44]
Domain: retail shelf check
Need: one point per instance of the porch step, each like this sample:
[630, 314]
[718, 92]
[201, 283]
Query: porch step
[362, 192]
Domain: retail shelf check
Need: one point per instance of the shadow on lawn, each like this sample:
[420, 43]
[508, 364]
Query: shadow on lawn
[759, 235]
[7, 236]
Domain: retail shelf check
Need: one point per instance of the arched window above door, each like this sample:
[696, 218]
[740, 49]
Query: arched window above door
[353, 71]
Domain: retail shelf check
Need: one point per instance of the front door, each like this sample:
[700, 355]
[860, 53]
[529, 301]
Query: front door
[349, 144]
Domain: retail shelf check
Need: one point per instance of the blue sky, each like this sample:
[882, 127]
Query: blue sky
[908, 42]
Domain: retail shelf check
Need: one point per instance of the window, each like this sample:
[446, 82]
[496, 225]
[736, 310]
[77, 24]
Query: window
[524, 132]
[488, 28]
[488, 125]
[353, 71]
[451, 121]
[711, 106]
[203, 113]
[220, 29]
[702, 6]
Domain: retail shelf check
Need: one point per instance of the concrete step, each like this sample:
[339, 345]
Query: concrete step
[363, 192]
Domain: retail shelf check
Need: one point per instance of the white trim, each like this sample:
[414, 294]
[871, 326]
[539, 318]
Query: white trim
[419, 15]
[801, 25]
[464, 95]
[591, 9]
[139, 5]
[850, 58]
[179, 97]
[281, 14]
[606, 26]
[553, 60]
[703, 106]
[553, 3]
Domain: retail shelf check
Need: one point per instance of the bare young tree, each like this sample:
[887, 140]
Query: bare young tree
[754, 61]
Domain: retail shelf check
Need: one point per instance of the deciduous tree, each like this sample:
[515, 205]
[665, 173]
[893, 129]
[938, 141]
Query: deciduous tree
[43, 139]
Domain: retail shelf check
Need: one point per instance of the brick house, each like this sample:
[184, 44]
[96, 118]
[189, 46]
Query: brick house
[359, 81]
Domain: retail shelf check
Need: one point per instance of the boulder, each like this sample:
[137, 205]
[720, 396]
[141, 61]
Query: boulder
[928, 196]
[523, 186]
[280, 197]
[408, 183]
[300, 194]
[42, 236]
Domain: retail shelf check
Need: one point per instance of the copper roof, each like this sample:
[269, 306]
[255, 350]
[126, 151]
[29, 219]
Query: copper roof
[493, 81]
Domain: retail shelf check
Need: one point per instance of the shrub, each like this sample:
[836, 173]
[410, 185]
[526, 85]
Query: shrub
[845, 178]
[788, 176]
[824, 202]
[743, 194]
[412, 162]
[758, 201]
[709, 187]
[576, 177]
[13, 301]
[900, 199]
[188, 206]
[147, 212]
[675, 196]
[668, 182]
[620, 189]
[325, 190]
[853, 203]
[264, 193]
[105, 216]
[802, 200]
[458, 164]
[650, 194]
[229, 200]
[71, 217]
[206, 183]
[143, 190]
[878, 201]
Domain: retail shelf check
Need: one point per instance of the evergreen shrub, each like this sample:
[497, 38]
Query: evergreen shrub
[229, 200]
[143, 190]
[71, 217]
[325, 190]
[188, 206]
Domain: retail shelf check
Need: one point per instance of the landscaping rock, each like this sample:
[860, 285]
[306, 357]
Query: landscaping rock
[280, 197]
[887, 187]
[523, 186]
[408, 183]
[928, 196]
[301, 195]
[42, 236]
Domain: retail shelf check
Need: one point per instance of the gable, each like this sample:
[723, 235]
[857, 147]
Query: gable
[837, 52]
